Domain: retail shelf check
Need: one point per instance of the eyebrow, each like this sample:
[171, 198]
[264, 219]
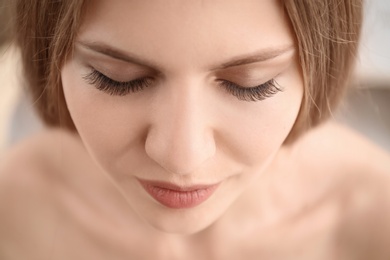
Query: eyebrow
[115, 53]
[258, 56]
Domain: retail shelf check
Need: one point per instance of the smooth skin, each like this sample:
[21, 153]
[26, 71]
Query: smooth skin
[185, 128]
[76, 196]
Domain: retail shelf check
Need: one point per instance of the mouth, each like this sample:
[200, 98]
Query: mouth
[178, 197]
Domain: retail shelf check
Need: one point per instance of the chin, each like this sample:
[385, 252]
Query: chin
[182, 222]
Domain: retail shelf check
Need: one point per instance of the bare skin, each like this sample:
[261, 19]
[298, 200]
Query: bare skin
[331, 202]
[190, 93]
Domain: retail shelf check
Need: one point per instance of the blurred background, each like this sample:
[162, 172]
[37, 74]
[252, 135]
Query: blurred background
[366, 108]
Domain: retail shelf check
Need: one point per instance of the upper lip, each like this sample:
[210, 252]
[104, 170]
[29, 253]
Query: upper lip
[175, 187]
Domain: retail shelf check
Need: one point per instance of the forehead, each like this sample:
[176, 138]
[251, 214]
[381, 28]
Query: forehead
[183, 34]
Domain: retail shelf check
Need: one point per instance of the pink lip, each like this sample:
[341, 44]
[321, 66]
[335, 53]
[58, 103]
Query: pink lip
[177, 197]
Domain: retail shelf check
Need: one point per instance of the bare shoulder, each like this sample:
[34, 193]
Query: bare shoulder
[346, 150]
[44, 163]
[356, 164]
[31, 159]
[30, 185]
[37, 161]
[360, 174]
[352, 162]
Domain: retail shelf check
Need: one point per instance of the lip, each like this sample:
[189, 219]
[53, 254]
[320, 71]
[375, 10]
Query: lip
[178, 197]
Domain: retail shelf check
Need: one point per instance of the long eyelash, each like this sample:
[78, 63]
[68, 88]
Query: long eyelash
[257, 93]
[116, 88]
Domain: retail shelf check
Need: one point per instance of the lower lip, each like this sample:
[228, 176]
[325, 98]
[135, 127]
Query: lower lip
[177, 199]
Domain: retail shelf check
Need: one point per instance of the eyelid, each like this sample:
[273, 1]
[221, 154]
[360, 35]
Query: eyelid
[94, 75]
[256, 93]
[251, 74]
[117, 73]
[116, 88]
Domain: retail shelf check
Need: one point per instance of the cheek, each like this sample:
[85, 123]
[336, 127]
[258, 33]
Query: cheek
[257, 131]
[108, 126]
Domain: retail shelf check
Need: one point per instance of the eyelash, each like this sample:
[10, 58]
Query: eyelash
[118, 88]
[256, 93]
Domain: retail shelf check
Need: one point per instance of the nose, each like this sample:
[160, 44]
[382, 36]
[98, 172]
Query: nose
[180, 138]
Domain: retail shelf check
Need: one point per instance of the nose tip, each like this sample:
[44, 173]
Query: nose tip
[180, 137]
[178, 153]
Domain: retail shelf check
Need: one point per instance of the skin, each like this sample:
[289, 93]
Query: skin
[310, 200]
[185, 129]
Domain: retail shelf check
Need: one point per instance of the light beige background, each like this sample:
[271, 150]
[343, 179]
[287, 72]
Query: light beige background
[9, 90]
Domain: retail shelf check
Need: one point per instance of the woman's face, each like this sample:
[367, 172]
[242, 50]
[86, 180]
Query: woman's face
[183, 103]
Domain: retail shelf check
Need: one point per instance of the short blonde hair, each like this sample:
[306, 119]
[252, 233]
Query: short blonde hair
[327, 34]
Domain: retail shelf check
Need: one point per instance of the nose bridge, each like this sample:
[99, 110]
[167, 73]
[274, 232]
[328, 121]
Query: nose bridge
[180, 139]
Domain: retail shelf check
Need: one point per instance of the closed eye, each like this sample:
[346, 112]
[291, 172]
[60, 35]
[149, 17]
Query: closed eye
[256, 93]
[122, 88]
[116, 88]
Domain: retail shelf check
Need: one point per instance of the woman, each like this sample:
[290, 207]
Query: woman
[191, 130]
